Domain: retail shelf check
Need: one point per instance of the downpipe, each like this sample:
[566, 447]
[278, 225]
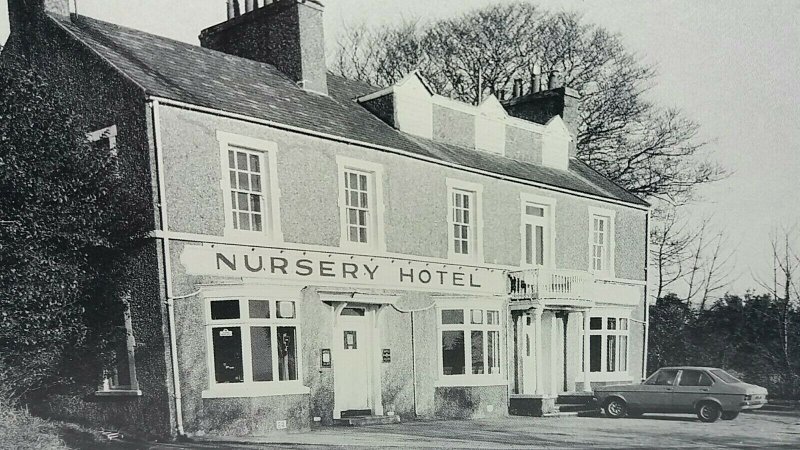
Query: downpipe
[173, 341]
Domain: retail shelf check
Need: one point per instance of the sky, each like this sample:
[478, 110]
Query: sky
[732, 66]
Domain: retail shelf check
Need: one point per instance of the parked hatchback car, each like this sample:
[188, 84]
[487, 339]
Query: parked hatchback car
[709, 392]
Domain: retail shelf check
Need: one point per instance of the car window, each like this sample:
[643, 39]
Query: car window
[695, 378]
[725, 376]
[662, 378]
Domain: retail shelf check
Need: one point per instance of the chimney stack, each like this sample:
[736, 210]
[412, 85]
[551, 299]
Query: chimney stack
[285, 33]
[21, 13]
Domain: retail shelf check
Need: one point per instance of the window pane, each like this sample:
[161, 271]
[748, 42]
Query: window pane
[121, 368]
[285, 310]
[255, 203]
[244, 181]
[227, 348]
[261, 348]
[244, 221]
[540, 245]
[476, 341]
[225, 309]
[534, 211]
[477, 316]
[234, 185]
[287, 353]
[231, 160]
[612, 323]
[362, 218]
[595, 361]
[493, 317]
[242, 201]
[254, 166]
[493, 347]
[623, 353]
[241, 160]
[452, 316]
[363, 179]
[256, 222]
[353, 234]
[611, 354]
[623, 324]
[528, 244]
[364, 203]
[466, 201]
[259, 309]
[362, 235]
[255, 183]
[596, 323]
[453, 352]
[464, 248]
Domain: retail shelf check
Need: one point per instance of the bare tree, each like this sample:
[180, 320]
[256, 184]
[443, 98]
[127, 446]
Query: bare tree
[784, 286]
[671, 247]
[650, 150]
[710, 266]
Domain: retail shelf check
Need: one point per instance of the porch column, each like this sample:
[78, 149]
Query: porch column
[554, 366]
[538, 360]
[587, 387]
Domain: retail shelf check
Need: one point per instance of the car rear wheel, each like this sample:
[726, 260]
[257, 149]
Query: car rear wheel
[730, 415]
[709, 412]
[616, 408]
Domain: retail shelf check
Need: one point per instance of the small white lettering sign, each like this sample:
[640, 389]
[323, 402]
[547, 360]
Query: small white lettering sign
[312, 267]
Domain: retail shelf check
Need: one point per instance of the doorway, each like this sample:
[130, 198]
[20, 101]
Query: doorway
[354, 363]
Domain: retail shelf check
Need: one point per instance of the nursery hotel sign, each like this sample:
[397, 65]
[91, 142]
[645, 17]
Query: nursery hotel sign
[314, 267]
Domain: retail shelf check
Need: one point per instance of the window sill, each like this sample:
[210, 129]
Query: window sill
[467, 380]
[253, 390]
[119, 393]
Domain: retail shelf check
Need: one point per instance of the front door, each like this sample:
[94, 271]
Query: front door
[528, 367]
[352, 364]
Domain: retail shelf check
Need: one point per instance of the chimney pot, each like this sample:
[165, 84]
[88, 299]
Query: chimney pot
[537, 83]
[249, 5]
[555, 80]
[517, 88]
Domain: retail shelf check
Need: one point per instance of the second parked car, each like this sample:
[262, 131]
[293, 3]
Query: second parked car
[709, 392]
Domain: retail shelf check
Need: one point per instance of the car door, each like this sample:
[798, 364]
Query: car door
[692, 385]
[656, 394]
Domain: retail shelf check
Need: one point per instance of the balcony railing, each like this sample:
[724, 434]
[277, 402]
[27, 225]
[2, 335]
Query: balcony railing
[545, 284]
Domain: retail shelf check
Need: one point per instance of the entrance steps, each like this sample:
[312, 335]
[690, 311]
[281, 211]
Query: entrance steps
[575, 404]
[362, 421]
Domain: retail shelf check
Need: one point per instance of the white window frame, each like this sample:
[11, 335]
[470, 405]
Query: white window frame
[468, 378]
[270, 207]
[249, 388]
[549, 221]
[610, 243]
[111, 386]
[476, 235]
[376, 235]
[109, 133]
[604, 374]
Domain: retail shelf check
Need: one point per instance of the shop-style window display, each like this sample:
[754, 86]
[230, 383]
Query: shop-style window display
[252, 340]
[470, 340]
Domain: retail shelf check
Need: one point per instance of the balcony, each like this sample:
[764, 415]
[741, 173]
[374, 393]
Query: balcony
[550, 284]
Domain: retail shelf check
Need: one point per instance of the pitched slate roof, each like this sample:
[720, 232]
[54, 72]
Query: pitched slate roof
[178, 71]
